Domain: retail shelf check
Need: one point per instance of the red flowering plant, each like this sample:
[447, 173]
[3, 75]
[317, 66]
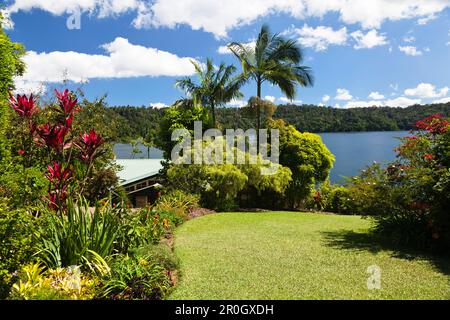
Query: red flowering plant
[69, 155]
[60, 180]
[26, 109]
[413, 194]
[434, 124]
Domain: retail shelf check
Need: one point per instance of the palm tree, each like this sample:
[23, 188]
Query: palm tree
[273, 59]
[216, 86]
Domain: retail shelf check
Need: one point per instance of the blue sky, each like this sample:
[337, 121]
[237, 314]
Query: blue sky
[362, 53]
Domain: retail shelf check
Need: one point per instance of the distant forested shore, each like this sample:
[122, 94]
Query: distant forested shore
[134, 122]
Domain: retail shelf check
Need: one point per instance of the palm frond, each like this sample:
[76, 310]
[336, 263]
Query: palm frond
[304, 76]
[245, 55]
[286, 51]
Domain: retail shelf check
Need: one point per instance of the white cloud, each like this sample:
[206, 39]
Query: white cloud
[237, 103]
[319, 38]
[372, 13]
[423, 21]
[123, 60]
[158, 105]
[369, 40]
[217, 17]
[410, 50]
[426, 90]
[343, 94]
[221, 16]
[400, 102]
[376, 95]
[29, 87]
[270, 98]
[101, 8]
[411, 97]
[443, 100]
[325, 98]
[225, 50]
[6, 23]
[409, 39]
[362, 104]
[394, 86]
[288, 101]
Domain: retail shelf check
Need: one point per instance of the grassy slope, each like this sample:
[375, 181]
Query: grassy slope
[282, 255]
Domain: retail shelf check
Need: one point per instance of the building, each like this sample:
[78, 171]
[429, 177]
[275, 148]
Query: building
[141, 180]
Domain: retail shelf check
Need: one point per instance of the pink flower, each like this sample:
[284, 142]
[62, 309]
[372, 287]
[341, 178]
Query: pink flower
[88, 145]
[56, 174]
[59, 179]
[21, 152]
[66, 102]
[54, 137]
[24, 106]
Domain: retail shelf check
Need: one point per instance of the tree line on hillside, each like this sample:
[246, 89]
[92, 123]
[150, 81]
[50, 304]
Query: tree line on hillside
[133, 122]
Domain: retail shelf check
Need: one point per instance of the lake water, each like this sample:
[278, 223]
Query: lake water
[353, 151]
[356, 150]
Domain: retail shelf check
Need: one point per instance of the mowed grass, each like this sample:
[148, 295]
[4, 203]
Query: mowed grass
[286, 255]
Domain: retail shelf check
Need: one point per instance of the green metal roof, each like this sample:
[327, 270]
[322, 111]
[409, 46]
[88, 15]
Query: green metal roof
[137, 169]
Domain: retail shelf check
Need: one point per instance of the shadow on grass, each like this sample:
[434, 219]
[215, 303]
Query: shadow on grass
[374, 243]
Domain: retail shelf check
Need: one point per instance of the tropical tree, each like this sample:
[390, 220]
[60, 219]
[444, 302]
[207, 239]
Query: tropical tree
[181, 115]
[216, 85]
[273, 59]
[149, 140]
[308, 158]
[11, 65]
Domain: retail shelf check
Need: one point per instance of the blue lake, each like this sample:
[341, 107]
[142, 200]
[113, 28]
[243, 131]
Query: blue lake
[356, 150]
[353, 151]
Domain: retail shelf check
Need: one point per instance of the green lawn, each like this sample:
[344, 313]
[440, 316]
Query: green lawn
[285, 255]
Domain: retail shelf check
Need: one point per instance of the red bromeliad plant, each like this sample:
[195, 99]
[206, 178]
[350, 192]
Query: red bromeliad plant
[68, 106]
[27, 109]
[88, 145]
[57, 141]
[59, 179]
[24, 106]
[54, 137]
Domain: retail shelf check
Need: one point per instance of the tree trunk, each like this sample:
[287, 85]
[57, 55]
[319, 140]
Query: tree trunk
[213, 111]
[258, 116]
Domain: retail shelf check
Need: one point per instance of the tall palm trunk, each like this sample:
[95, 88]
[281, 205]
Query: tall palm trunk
[258, 115]
[213, 111]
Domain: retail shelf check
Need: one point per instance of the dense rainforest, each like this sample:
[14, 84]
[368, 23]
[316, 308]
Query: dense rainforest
[134, 122]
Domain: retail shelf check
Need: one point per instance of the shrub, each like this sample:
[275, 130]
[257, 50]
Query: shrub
[159, 253]
[61, 284]
[340, 201]
[178, 202]
[135, 277]
[218, 185]
[308, 159]
[409, 199]
[143, 227]
[18, 238]
[23, 187]
[82, 237]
